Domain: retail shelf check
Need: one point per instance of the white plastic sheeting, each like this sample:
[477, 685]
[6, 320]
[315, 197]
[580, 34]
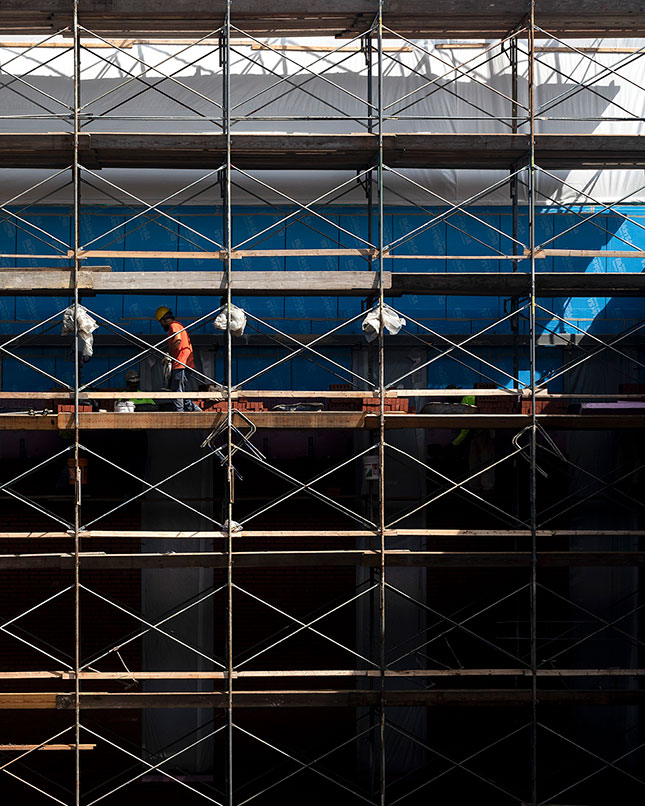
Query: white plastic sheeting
[185, 96]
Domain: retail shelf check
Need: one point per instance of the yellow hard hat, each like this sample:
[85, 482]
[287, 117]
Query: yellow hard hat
[161, 312]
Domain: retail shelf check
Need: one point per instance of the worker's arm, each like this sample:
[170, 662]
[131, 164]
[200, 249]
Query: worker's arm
[174, 340]
[461, 436]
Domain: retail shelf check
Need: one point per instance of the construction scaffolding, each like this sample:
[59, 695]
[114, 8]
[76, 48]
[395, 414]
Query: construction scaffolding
[386, 562]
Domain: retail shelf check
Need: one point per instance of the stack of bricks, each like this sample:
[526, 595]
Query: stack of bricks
[373, 405]
[545, 406]
[66, 406]
[248, 405]
[495, 404]
[343, 403]
[242, 404]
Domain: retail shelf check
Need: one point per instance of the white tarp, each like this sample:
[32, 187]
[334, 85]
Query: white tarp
[276, 83]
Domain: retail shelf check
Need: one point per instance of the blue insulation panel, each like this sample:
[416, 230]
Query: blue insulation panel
[7, 304]
[461, 370]
[255, 228]
[311, 232]
[623, 312]
[310, 371]
[466, 235]
[8, 240]
[418, 235]
[200, 229]
[149, 233]
[570, 233]
[543, 235]
[102, 228]
[47, 232]
[245, 366]
[17, 377]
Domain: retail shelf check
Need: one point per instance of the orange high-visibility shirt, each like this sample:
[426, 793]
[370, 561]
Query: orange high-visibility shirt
[181, 350]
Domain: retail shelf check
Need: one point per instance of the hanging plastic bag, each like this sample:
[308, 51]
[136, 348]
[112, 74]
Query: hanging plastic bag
[238, 320]
[166, 366]
[392, 322]
[86, 327]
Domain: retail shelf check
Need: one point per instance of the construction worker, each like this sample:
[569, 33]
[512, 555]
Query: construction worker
[480, 452]
[466, 400]
[181, 351]
[132, 381]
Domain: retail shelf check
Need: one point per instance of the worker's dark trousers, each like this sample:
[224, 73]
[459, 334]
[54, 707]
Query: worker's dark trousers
[178, 384]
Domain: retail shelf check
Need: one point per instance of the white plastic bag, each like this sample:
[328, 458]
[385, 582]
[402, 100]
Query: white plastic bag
[238, 320]
[166, 364]
[125, 407]
[86, 327]
[392, 322]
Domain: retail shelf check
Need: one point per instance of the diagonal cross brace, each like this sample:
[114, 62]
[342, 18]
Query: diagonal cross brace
[304, 206]
[166, 77]
[151, 767]
[294, 87]
[152, 626]
[604, 207]
[305, 625]
[461, 765]
[459, 346]
[606, 625]
[454, 207]
[307, 69]
[593, 337]
[307, 487]
[582, 85]
[606, 763]
[148, 207]
[456, 624]
[150, 487]
[456, 486]
[309, 765]
[303, 348]
[157, 766]
[149, 348]
[3, 627]
[453, 69]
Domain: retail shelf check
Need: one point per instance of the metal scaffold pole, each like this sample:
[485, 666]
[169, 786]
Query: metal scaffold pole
[76, 184]
[230, 471]
[533, 425]
[381, 387]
